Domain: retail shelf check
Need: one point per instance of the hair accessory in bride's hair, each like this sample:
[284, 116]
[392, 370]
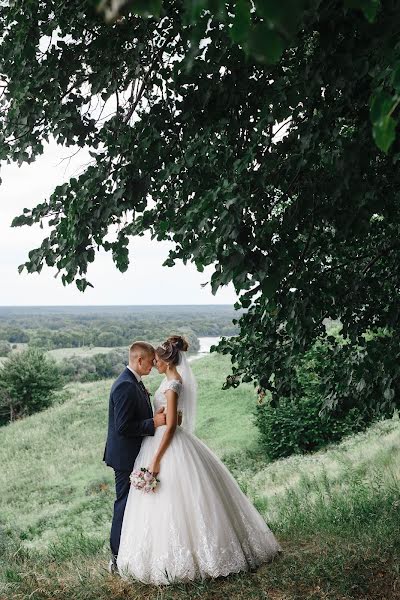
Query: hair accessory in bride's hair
[169, 350]
[179, 342]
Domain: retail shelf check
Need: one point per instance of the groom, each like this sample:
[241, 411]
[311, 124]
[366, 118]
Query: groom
[130, 417]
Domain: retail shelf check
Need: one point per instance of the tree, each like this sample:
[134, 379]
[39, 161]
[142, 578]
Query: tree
[13, 335]
[27, 383]
[6, 412]
[5, 348]
[269, 172]
[107, 338]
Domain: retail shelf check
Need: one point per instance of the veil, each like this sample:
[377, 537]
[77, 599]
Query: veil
[189, 393]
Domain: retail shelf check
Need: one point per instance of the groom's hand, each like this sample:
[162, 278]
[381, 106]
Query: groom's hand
[160, 418]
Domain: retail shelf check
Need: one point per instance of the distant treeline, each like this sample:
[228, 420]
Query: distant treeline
[49, 330]
[90, 368]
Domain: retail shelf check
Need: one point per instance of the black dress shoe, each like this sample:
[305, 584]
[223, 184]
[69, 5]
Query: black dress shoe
[112, 566]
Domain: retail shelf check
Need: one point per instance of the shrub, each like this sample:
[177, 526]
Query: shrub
[5, 348]
[91, 368]
[28, 380]
[296, 426]
[298, 423]
[78, 368]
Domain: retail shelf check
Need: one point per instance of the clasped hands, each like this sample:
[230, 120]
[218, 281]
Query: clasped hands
[160, 417]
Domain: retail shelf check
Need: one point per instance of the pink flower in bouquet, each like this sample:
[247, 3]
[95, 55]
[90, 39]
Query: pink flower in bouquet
[144, 480]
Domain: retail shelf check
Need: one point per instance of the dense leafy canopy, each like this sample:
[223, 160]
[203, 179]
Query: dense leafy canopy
[265, 29]
[270, 172]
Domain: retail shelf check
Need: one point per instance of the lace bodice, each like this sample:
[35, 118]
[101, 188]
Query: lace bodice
[160, 398]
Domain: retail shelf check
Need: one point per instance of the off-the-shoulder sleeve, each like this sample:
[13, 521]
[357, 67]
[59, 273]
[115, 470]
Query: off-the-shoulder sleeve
[174, 385]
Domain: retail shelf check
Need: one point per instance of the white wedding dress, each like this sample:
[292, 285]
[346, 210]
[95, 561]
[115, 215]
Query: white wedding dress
[198, 523]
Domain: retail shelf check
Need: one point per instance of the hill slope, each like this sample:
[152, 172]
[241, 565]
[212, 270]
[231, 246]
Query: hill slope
[336, 513]
[52, 469]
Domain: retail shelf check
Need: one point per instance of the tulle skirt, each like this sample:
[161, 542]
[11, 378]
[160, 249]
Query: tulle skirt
[197, 524]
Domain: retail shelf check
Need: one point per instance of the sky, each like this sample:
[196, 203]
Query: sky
[145, 282]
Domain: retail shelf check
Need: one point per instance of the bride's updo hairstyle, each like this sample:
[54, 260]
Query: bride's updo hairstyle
[169, 350]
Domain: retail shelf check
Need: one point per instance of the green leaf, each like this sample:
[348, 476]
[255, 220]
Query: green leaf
[396, 77]
[193, 9]
[381, 104]
[265, 44]
[82, 284]
[384, 133]
[369, 7]
[147, 8]
[241, 21]
[245, 301]
[384, 125]
[270, 285]
[217, 7]
[284, 15]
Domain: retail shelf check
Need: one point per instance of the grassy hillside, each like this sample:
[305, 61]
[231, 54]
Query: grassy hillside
[54, 458]
[336, 513]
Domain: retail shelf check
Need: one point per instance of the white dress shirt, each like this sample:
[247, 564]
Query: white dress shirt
[134, 372]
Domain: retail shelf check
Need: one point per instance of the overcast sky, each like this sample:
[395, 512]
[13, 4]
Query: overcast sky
[145, 282]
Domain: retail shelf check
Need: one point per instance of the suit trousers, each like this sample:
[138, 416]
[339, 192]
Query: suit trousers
[122, 486]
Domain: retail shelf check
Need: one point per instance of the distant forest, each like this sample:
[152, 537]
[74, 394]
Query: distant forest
[52, 327]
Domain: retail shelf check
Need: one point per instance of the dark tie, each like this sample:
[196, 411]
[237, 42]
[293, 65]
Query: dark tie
[141, 385]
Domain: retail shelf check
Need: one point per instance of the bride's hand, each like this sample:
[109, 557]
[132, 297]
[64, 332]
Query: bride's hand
[154, 467]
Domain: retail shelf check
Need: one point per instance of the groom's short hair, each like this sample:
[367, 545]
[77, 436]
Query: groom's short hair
[140, 348]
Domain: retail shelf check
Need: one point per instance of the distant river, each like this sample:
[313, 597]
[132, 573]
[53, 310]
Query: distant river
[205, 345]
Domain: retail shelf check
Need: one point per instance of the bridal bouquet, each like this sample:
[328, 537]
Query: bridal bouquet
[144, 480]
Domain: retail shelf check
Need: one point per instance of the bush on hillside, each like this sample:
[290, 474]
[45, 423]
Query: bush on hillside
[78, 368]
[298, 423]
[28, 381]
[296, 427]
[5, 348]
[91, 368]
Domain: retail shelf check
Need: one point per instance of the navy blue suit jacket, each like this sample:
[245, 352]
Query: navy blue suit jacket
[130, 417]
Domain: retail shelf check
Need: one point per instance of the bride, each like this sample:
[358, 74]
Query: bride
[197, 523]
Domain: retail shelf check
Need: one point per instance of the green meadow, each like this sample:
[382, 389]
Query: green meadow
[61, 353]
[336, 512]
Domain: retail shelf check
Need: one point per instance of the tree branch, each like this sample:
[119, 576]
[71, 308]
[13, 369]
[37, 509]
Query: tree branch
[147, 77]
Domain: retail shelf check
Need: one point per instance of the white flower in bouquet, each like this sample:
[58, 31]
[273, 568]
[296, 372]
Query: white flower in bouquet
[144, 480]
